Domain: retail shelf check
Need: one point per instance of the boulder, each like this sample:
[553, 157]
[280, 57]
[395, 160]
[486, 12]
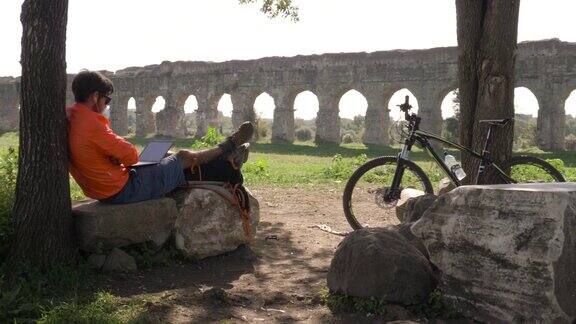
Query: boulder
[119, 261]
[380, 262]
[415, 207]
[403, 201]
[105, 226]
[208, 224]
[445, 185]
[405, 229]
[507, 253]
[96, 261]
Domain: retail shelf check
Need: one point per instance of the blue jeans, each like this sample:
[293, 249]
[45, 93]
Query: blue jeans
[150, 182]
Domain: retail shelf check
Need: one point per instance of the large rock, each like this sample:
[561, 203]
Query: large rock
[107, 226]
[445, 185]
[415, 207]
[209, 225]
[379, 262]
[402, 204]
[119, 261]
[507, 252]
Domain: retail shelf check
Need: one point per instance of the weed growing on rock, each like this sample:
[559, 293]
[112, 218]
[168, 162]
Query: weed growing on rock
[436, 306]
[342, 303]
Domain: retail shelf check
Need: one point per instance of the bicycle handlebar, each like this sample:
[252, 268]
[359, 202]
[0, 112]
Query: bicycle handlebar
[405, 107]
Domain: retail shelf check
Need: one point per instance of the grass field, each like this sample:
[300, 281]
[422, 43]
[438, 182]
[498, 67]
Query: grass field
[307, 164]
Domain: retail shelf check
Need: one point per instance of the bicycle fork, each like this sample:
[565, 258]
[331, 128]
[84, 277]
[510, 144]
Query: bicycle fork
[394, 190]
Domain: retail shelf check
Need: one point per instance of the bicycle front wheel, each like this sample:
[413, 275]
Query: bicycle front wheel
[529, 169]
[368, 198]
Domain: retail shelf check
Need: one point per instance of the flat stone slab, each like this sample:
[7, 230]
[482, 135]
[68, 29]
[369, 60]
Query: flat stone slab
[106, 226]
[507, 253]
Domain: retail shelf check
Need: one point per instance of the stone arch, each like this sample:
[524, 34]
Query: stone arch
[263, 108]
[450, 124]
[306, 106]
[225, 108]
[570, 112]
[303, 100]
[352, 107]
[264, 105]
[570, 104]
[525, 102]
[131, 115]
[190, 106]
[526, 114]
[349, 98]
[447, 104]
[159, 104]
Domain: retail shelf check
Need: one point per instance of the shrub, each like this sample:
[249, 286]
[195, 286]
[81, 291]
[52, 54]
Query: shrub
[258, 168]
[8, 172]
[210, 139]
[304, 134]
[342, 169]
[348, 138]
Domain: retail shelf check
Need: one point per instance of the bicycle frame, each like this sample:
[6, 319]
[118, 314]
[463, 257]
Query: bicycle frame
[423, 139]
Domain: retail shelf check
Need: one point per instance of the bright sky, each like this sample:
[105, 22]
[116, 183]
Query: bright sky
[111, 35]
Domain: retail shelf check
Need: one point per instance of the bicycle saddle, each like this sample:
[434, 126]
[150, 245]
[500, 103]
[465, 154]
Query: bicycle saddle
[496, 122]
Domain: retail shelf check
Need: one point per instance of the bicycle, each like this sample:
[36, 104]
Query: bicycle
[364, 189]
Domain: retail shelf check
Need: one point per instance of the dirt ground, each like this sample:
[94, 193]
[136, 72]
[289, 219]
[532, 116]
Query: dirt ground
[279, 278]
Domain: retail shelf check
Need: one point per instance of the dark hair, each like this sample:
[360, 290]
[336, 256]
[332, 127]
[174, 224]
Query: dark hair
[87, 82]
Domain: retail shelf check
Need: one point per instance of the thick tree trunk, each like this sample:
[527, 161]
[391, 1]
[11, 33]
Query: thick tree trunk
[42, 211]
[487, 36]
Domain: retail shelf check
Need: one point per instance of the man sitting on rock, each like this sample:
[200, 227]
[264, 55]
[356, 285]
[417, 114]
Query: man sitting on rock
[100, 160]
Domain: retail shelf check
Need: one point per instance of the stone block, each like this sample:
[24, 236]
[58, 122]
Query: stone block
[507, 253]
[108, 226]
[208, 224]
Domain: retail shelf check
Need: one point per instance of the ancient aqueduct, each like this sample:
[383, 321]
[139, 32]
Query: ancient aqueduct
[547, 68]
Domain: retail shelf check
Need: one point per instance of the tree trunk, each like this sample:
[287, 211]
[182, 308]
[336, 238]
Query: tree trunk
[42, 211]
[487, 36]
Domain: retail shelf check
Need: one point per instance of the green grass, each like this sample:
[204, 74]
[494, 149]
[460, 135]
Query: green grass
[308, 164]
[64, 294]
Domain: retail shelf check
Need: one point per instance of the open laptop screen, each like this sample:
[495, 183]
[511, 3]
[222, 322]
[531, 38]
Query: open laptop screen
[155, 151]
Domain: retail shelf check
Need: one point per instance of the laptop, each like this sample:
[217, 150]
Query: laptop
[154, 152]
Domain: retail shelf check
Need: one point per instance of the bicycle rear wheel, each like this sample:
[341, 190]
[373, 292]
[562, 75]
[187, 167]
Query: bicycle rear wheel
[367, 201]
[529, 169]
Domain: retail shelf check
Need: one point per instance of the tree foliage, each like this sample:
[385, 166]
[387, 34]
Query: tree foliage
[275, 8]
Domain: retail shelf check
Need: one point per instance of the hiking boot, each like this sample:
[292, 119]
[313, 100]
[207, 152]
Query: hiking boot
[239, 156]
[241, 136]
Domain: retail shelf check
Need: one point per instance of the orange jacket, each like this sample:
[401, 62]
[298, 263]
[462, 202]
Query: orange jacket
[95, 152]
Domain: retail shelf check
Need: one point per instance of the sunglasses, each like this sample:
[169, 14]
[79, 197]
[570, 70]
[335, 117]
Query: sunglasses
[107, 99]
